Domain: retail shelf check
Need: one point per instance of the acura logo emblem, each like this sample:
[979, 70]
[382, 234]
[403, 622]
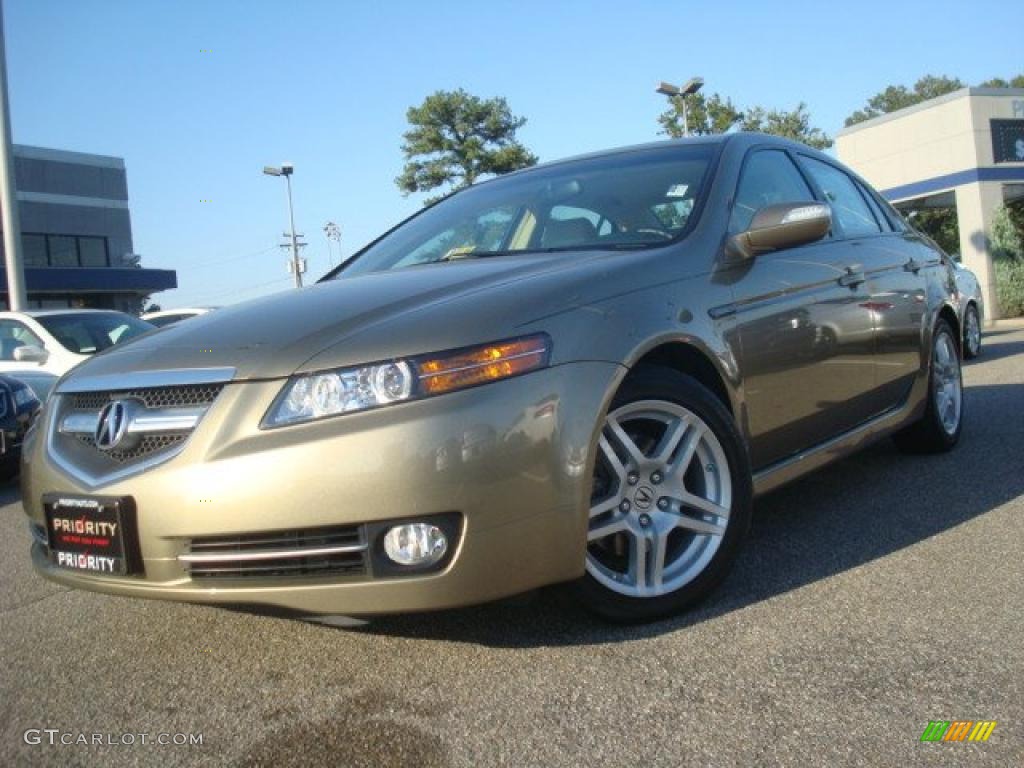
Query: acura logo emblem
[112, 425]
[643, 497]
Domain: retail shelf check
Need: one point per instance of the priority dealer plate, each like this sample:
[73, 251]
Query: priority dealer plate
[92, 534]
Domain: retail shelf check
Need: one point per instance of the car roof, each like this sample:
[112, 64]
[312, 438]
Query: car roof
[51, 312]
[736, 137]
[179, 311]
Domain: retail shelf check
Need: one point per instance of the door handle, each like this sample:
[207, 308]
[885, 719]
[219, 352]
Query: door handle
[854, 276]
[912, 266]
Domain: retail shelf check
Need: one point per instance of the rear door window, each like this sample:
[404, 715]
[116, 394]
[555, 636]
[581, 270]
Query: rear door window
[849, 207]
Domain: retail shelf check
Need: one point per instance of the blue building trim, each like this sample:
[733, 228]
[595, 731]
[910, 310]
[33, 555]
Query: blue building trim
[95, 280]
[950, 180]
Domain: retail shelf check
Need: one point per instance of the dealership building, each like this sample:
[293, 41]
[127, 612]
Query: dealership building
[77, 233]
[964, 150]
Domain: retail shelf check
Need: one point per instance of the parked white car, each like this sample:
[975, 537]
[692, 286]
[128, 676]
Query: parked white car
[167, 316]
[56, 340]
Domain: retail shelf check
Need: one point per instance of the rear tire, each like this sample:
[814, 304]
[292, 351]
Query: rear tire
[671, 499]
[938, 430]
[972, 333]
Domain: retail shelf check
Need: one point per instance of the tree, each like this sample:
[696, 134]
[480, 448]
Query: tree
[998, 82]
[794, 125]
[928, 87]
[454, 138]
[715, 114]
[704, 115]
[941, 225]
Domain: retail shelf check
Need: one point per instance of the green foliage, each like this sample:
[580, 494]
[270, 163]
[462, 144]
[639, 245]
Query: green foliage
[716, 114]
[454, 138]
[899, 96]
[794, 125]
[1010, 287]
[928, 87]
[704, 114]
[1007, 240]
[1007, 245]
[998, 82]
[941, 225]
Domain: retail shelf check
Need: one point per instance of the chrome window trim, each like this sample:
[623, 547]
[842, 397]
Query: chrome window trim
[122, 382]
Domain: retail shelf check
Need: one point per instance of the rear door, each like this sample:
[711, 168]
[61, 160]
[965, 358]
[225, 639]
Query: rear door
[806, 337]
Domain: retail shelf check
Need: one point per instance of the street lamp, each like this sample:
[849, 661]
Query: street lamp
[688, 88]
[286, 170]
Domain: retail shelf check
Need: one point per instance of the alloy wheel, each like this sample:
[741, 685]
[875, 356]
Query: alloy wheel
[973, 335]
[946, 383]
[661, 499]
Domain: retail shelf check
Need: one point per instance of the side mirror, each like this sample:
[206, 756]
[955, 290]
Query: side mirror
[785, 225]
[30, 353]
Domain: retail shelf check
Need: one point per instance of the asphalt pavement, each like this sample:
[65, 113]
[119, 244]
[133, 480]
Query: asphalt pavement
[872, 597]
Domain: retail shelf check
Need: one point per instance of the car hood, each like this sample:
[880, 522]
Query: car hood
[372, 315]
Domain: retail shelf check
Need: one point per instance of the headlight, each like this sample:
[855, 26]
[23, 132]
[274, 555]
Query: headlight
[329, 393]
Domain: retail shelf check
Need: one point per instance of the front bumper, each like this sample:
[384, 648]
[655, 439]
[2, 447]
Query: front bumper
[513, 458]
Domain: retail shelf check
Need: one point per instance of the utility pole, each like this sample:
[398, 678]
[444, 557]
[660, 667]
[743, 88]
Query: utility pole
[16, 296]
[333, 232]
[297, 266]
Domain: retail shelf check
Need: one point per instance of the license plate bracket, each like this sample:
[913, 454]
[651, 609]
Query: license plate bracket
[93, 534]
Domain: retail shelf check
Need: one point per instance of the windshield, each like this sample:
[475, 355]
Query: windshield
[628, 200]
[91, 332]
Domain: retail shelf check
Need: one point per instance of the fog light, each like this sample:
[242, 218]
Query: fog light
[415, 544]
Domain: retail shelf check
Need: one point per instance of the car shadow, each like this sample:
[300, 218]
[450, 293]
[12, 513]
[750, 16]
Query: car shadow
[865, 507]
[9, 492]
[997, 351]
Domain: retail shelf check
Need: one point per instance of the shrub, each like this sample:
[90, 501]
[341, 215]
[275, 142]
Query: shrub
[1010, 286]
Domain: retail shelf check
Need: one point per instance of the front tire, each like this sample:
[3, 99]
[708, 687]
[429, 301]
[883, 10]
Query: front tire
[671, 499]
[938, 430]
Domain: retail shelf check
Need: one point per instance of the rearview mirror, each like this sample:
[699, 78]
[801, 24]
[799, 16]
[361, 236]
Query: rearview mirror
[785, 225]
[30, 353]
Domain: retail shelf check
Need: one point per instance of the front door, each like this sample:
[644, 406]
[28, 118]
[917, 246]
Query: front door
[807, 347]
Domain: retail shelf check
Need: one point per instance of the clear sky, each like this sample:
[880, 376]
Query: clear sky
[199, 95]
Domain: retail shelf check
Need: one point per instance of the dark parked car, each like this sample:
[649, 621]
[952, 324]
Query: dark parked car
[580, 372]
[972, 309]
[19, 406]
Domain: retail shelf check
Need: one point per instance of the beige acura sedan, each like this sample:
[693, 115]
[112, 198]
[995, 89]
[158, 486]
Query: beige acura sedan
[582, 372]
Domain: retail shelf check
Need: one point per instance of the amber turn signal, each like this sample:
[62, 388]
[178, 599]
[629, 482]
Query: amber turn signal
[483, 364]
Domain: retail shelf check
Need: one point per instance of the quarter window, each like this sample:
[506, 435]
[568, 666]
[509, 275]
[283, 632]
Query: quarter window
[848, 205]
[769, 177]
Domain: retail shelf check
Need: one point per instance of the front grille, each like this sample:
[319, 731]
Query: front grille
[148, 445]
[339, 550]
[152, 397]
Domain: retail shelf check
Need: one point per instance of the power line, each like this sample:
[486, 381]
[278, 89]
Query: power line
[234, 291]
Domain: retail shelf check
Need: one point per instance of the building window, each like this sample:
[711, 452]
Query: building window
[92, 251]
[34, 248]
[64, 250]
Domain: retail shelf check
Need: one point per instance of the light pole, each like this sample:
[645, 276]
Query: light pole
[16, 298]
[286, 170]
[333, 232]
[688, 88]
